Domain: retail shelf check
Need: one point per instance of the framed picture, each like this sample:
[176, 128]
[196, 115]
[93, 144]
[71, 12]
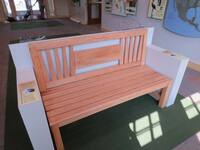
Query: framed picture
[131, 7]
[157, 9]
[119, 7]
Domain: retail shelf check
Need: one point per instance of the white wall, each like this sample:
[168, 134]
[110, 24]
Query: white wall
[189, 47]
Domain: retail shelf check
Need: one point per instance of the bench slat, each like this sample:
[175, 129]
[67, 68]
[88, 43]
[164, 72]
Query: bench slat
[95, 92]
[65, 63]
[122, 43]
[68, 88]
[72, 62]
[131, 50]
[127, 41]
[136, 45]
[50, 64]
[58, 65]
[97, 56]
[79, 98]
[101, 104]
[92, 90]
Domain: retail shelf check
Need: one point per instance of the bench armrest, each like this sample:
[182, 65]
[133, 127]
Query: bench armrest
[169, 64]
[32, 110]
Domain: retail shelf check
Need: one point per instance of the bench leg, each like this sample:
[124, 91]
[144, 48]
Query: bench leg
[164, 95]
[57, 137]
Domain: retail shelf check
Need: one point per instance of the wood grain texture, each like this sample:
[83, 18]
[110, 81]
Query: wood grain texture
[65, 64]
[72, 61]
[82, 39]
[38, 70]
[57, 137]
[165, 94]
[50, 64]
[135, 47]
[131, 49]
[58, 64]
[59, 103]
[122, 42]
[128, 51]
[96, 56]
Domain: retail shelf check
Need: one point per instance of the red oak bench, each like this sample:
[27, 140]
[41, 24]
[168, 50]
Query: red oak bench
[69, 95]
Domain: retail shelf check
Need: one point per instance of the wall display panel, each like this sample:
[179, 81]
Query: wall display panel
[157, 9]
[183, 17]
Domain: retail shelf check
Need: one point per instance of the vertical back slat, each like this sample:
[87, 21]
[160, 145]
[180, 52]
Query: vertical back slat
[65, 63]
[58, 64]
[135, 48]
[72, 61]
[122, 42]
[44, 69]
[38, 70]
[131, 49]
[50, 63]
[144, 49]
[139, 57]
[126, 50]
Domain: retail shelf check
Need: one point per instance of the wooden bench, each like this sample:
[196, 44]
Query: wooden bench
[82, 75]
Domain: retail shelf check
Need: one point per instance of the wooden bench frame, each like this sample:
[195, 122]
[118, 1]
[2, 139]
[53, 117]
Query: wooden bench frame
[53, 73]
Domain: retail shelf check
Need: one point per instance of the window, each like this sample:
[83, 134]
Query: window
[7, 4]
[35, 5]
[20, 5]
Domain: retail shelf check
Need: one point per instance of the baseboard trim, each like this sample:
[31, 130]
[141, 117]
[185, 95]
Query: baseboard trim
[194, 66]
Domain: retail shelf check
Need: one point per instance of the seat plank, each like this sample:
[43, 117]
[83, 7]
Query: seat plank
[92, 79]
[94, 91]
[87, 99]
[93, 82]
[87, 90]
[99, 105]
[104, 89]
[90, 92]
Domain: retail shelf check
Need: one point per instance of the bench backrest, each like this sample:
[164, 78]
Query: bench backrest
[63, 60]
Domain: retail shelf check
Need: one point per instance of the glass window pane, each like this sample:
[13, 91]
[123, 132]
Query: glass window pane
[20, 5]
[8, 7]
[35, 5]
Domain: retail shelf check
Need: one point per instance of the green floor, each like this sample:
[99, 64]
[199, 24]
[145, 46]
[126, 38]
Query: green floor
[137, 124]
[35, 24]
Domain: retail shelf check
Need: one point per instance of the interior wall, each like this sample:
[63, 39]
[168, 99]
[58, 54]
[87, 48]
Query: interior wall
[61, 8]
[189, 47]
[79, 12]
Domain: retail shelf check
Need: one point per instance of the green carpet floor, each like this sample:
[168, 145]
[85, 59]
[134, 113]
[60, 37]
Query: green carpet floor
[34, 24]
[137, 124]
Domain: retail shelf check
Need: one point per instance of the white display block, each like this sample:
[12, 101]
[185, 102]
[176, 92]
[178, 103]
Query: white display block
[31, 110]
[169, 64]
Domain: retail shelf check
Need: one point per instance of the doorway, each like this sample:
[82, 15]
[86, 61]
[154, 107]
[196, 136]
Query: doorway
[19, 9]
[94, 11]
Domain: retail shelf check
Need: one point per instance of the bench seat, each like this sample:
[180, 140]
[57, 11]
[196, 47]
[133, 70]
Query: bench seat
[73, 101]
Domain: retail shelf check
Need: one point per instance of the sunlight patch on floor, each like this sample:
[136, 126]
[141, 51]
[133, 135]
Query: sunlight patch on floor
[191, 105]
[147, 128]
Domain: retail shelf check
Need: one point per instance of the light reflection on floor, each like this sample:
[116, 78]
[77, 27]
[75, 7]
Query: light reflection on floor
[147, 128]
[191, 105]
